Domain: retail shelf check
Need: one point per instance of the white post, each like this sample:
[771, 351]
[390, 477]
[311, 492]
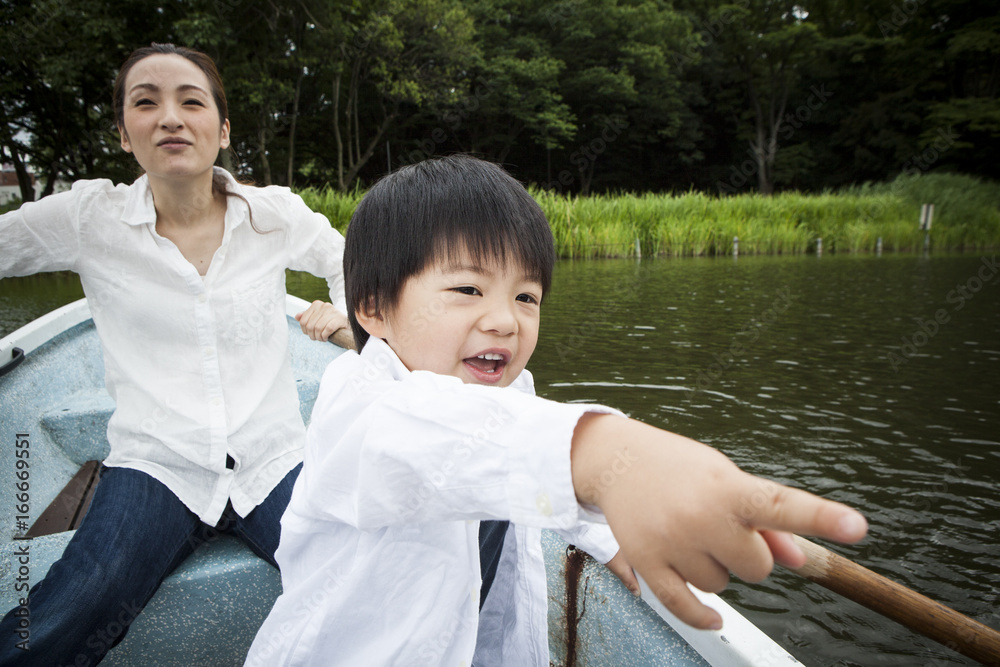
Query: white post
[638, 249]
[736, 246]
[819, 247]
[926, 216]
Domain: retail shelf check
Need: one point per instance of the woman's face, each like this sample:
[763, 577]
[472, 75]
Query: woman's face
[171, 121]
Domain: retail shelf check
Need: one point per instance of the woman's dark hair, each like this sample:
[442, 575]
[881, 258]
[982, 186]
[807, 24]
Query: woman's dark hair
[434, 209]
[205, 63]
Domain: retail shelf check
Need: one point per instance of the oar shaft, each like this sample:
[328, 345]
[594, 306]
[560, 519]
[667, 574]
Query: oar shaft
[344, 338]
[903, 605]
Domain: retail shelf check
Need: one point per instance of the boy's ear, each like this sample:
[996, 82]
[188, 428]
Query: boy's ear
[371, 320]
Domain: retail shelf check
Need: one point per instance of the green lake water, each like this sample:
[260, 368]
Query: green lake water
[870, 380]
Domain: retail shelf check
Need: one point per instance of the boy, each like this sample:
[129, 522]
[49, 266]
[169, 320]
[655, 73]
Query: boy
[413, 441]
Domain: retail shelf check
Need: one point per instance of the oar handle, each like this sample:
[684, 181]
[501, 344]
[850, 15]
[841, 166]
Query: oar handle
[903, 605]
[343, 338]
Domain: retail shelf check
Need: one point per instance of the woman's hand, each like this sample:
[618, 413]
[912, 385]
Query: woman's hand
[320, 320]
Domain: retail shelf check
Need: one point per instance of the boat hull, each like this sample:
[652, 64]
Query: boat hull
[208, 610]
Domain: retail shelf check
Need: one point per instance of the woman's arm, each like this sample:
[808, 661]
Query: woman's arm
[44, 235]
[318, 248]
[315, 247]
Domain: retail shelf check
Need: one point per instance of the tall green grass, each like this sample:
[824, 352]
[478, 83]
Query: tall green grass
[338, 207]
[966, 216]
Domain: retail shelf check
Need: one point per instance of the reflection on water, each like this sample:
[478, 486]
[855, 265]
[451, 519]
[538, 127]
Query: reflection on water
[24, 299]
[873, 381]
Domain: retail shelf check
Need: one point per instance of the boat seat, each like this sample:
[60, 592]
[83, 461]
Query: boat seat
[66, 511]
[78, 425]
[223, 582]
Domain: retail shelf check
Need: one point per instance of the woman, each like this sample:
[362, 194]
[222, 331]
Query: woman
[184, 271]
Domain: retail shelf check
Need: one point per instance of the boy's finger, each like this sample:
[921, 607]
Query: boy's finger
[673, 593]
[750, 558]
[621, 569]
[784, 549]
[795, 511]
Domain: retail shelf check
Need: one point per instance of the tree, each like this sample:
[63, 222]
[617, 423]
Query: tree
[400, 53]
[56, 104]
[769, 44]
[970, 117]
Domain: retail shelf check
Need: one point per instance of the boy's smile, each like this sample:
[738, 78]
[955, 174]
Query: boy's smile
[476, 322]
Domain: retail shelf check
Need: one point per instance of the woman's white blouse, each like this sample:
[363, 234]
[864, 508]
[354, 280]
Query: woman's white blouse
[198, 366]
[379, 551]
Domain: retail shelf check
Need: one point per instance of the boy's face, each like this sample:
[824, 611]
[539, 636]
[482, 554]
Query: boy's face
[478, 323]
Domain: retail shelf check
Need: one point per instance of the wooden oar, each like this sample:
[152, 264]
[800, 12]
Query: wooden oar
[343, 338]
[903, 605]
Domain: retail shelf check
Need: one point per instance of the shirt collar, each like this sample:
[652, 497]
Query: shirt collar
[140, 210]
[377, 352]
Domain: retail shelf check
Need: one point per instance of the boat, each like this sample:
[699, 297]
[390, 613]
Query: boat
[55, 407]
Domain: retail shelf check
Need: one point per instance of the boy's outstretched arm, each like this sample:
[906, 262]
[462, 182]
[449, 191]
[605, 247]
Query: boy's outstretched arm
[683, 512]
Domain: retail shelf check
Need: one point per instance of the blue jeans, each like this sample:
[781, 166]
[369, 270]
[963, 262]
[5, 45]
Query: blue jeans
[136, 532]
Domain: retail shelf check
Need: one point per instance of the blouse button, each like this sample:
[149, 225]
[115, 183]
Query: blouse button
[543, 504]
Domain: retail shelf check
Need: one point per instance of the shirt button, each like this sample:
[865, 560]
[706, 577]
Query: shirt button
[208, 351]
[216, 402]
[543, 504]
[202, 298]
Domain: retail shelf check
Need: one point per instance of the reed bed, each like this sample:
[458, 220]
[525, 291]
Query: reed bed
[966, 216]
[338, 207]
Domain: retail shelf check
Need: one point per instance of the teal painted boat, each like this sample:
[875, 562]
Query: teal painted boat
[54, 405]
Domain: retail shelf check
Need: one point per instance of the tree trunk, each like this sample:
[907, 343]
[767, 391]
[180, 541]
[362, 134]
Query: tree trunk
[291, 130]
[370, 150]
[262, 144]
[24, 180]
[336, 133]
[9, 145]
[765, 145]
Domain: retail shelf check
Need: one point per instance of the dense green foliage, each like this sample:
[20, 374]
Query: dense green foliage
[693, 223]
[575, 96]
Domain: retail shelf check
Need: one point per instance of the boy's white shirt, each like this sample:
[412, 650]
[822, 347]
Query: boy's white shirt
[379, 550]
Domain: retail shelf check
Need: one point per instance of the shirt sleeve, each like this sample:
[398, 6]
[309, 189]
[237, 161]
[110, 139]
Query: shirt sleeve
[431, 448]
[594, 538]
[316, 247]
[43, 235]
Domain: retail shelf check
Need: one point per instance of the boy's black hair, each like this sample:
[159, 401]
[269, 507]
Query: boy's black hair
[434, 208]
